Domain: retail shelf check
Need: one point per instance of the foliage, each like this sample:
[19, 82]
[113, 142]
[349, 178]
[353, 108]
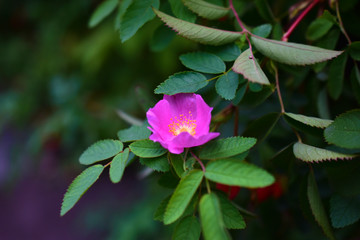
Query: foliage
[237, 67]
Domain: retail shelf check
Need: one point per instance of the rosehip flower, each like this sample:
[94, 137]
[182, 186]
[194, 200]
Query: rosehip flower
[180, 121]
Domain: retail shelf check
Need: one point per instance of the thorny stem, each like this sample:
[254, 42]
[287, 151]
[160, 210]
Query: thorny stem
[340, 22]
[199, 161]
[286, 35]
[278, 90]
[237, 17]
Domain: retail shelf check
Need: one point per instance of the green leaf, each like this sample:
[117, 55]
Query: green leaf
[203, 62]
[182, 12]
[211, 218]
[261, 127]
[354, 50]
[317, 207]
[123, 6]
[160, 164]
[292, 53]
[188, 228]
[263, 30]
[226, 147]
[205, 9]
[328, 41]
[240, 93]
[161, 38]
[79, 186]
[318, 28]
[231, 215]
[160, 211]
[309, 153]
[134, 133]
[247, 65]
[198, 33]
[235, 173]
[138, 13]
[184, 82]
[228, 52]
[147, 149]
[101, 150]
[182, 196]
[336, 76]
[311, 121]
[102, 11]
[344, 211]
[117, 166]
[345, 130]
[178, 164]
[227, 84]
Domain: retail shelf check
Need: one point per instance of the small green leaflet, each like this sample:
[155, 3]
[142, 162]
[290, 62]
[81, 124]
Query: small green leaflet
[344, 211]
[309, 153]
[232, 217]
[101, 150]
[318, 28]
[317, 206]
[182, 196]
[160, 164]
[117, 166]
[188, 228]
[227, 84]
[226, 147]
[203, 62]
[235, 173]
[335, 81]
[262, 30]
[138, 13]
[292, 53]
[198, 33]
[311, 121]
[211, 218]
[345, 130]
[178, 164]
[147, 149]
[228, 52]
[79, 186]
[134, 133]
[247, 65]
[182, 12]
[184, 82]
[102, 11]
[206, 10]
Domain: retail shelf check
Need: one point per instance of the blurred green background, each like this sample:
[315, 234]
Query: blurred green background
[60, 86]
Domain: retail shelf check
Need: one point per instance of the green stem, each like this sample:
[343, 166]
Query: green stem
[207, 185]
[341, 23]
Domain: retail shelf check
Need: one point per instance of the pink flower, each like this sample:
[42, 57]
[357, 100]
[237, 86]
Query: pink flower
[180, 121]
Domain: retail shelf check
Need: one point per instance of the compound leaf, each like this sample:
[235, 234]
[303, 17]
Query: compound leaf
[198, 33]
[101, 150]
[79, 186]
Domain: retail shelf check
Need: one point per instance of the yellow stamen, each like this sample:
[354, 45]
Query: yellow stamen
[182, 124]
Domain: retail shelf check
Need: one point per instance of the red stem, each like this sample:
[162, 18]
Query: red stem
[237, 16]
[298, 20]
[200, 162]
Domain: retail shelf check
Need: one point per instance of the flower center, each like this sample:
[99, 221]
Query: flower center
[182, 124]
